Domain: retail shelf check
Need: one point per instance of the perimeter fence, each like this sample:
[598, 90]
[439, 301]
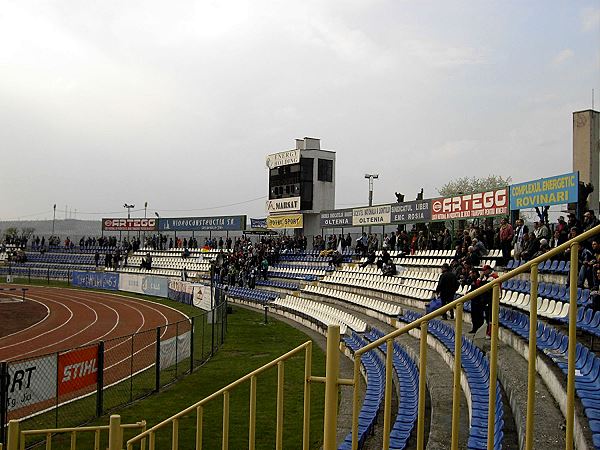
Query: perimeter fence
[72, 387]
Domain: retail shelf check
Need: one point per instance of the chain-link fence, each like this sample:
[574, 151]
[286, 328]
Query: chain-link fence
[36, 273]
[72, 387]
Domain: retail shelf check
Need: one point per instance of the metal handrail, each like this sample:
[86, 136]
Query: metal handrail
[198, 406]
[495, 287]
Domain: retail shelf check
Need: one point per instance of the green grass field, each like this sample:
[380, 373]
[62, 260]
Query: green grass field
[249, 343]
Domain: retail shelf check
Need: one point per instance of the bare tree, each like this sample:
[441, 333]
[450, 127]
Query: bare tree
[468, 185]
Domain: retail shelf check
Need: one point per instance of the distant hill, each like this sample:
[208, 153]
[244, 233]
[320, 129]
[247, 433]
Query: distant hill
[73, 228]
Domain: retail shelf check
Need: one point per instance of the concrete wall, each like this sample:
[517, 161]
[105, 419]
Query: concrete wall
[586, 149]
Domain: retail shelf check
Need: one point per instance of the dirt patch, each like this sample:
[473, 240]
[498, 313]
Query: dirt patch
[16, 316]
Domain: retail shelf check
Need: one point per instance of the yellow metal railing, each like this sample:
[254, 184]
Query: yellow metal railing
[17, 438]
[423, 321]
[224, 393]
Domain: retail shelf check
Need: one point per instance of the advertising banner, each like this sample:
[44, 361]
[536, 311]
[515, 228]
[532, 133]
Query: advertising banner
[96, 280]
[408, 212]
[283, 158]
[31, 382]
[258, 223]
[283, 204]
[181, 291]
[144, 284]
[285, 221]
[129, 224]
[336, 218]
[372, 215]
[480, 204]
[77, 369]
[202, 296]
[218, 223]
[175, 349]
[558, 190]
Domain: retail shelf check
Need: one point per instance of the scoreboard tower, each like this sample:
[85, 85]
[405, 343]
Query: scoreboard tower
[301, 185]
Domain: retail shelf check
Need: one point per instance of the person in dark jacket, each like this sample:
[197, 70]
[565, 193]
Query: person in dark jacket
[447, 287]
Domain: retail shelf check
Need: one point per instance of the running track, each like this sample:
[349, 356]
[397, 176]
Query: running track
[77, 318]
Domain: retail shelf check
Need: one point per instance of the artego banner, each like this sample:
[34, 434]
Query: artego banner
[129, 224]
[558, 190]
[283, 204]
[285, 221]
[283, 158]
[409, 212]
[480, 204]
[31, 382]
[372, 215]
[77, 369]
[336, 218]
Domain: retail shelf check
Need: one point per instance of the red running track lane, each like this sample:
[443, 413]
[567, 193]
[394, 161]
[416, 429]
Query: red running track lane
[78, 318]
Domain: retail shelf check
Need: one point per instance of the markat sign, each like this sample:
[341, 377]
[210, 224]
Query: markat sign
[557, 190]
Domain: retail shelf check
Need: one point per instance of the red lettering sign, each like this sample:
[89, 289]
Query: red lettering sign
[129, 224]
[77, 369]
[480, 204]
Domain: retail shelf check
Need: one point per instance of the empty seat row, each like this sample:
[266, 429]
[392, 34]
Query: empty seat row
[375, 374]
[255, 295]
[359, 300]
[476, 368]
[549, 266]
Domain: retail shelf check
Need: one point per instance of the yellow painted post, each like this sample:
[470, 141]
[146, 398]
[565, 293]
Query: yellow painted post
[573, 272]
[48, 442]
[280, 386]
[531, 369]
[175, 435]
[422, 385]
[355, 402]
[73, 440]
[457, 373]
[252, 418]
[493, 365]
[332, 370]
[199, 413]
[387, 406]
[152, 441]
[96, 440]
[115, 438]
[307, 375]
[225, 445]
[13, 435]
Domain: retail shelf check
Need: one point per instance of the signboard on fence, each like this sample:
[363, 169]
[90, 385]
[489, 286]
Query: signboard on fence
[77, 369]
[218, 223]
[202, 296]
[409, 212]
[285, 221]
[96, 280]
[175, 349]
[336, 218]
[558, 190]
[283, 158]
[372, 215]
[258, 223]
[129, 224]
[480, 204]
[144, 284]
[31, 382]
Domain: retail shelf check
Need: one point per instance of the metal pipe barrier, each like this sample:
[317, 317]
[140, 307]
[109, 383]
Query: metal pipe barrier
[224, 393]
[17, 437]
[573, 245]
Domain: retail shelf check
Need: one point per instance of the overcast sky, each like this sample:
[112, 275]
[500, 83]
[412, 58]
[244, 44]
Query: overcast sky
[178, 103]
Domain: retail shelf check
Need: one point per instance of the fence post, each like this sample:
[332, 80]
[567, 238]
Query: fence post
[48, 275]
[332, 369]
[68, 277]
[115, 438]
[3, 399]
[176, 348]
[13, 435]
[223, 316]
[100, 383]
[157, 362]
[29, 274]
[192, 346]
[212, 331]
